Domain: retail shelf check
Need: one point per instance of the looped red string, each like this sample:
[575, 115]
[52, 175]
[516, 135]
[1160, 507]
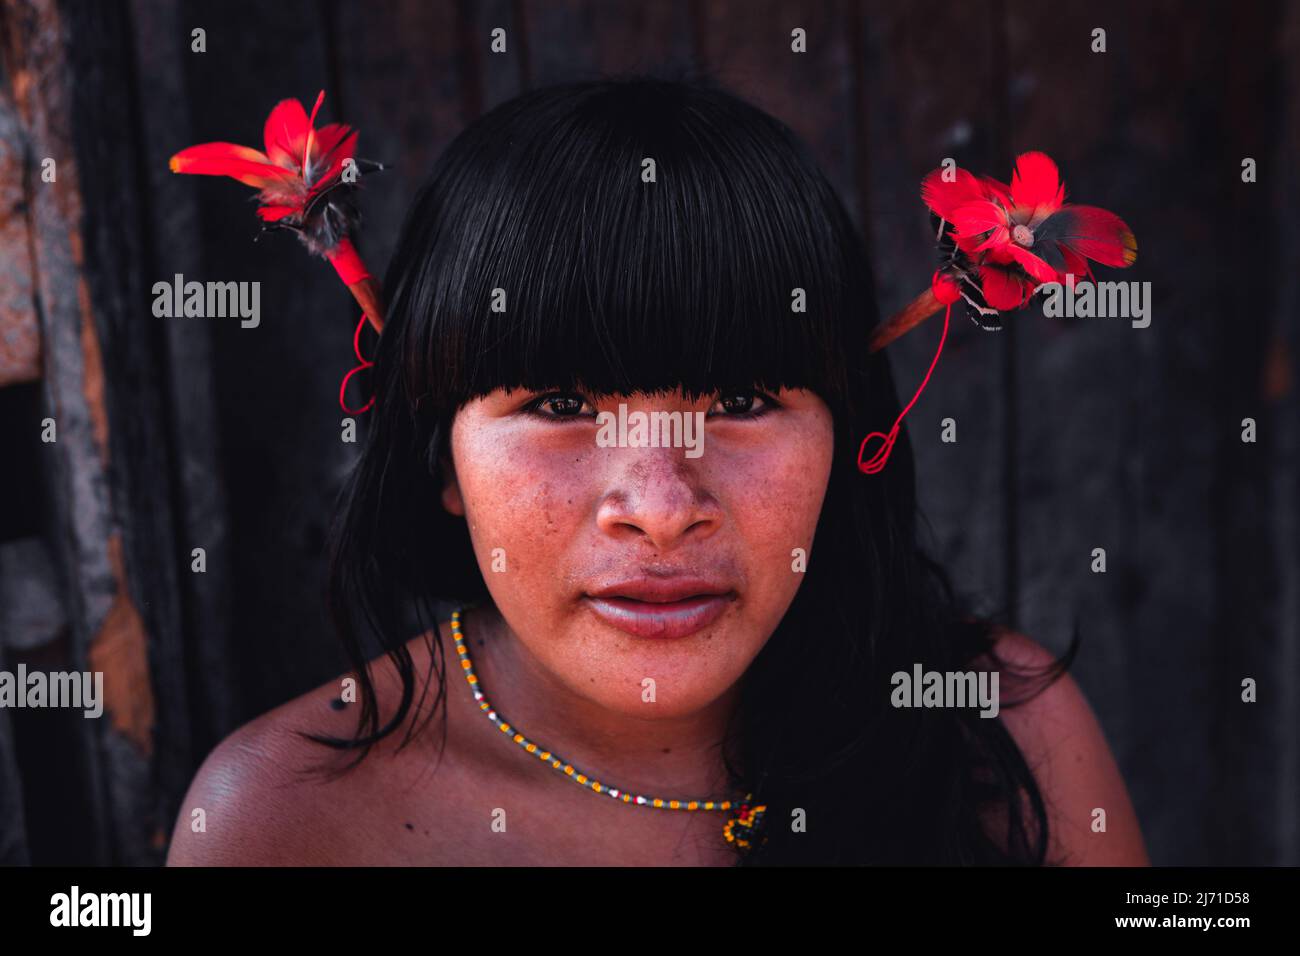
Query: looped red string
[878, 460]
[365, 364]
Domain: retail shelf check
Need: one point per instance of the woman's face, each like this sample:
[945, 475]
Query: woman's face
[613, 560]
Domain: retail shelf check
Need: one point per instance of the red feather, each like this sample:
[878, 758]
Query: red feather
[301, 186]
[1096, 233]
[1036, 184]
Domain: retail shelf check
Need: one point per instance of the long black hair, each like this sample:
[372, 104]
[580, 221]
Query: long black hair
[615, 284]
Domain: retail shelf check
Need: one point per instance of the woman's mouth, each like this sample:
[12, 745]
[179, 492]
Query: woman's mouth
[661, 609]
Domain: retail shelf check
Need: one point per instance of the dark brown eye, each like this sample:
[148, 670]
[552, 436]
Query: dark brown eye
[741, 404]
[559, 405]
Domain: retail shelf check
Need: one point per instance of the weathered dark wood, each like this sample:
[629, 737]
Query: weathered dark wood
[916, 117]
[1248, 738]
[1105, 462]
[748, 48]
[578, 39]
[1131, 438]
[197, 476]
[142, 634]
[275, 386]
[20, 344]
[415, 47]
[13, 819]
[500, 75]
[104, 614]
[1280, 382]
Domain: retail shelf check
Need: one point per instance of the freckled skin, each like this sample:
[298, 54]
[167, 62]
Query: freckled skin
[571, 515]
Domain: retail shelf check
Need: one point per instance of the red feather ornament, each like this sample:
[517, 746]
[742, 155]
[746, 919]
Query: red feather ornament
[306, 181]
[999, 244]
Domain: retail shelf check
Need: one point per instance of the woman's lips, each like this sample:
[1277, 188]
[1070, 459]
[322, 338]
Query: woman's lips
[666, 619]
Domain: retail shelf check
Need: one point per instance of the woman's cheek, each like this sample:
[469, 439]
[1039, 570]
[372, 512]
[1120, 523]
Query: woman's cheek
[776, 488]
[775, 497]
[520, 502]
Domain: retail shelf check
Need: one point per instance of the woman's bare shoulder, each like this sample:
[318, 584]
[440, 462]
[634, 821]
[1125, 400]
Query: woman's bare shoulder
[1065, 747]
[255, 794]
[270, 795]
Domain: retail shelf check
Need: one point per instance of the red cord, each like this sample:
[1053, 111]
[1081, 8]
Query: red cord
[878, 460]
[365, 364]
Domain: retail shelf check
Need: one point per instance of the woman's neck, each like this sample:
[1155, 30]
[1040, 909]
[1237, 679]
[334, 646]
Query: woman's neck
[670, 757]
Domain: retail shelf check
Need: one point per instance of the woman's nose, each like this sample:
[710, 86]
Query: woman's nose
[658, 494]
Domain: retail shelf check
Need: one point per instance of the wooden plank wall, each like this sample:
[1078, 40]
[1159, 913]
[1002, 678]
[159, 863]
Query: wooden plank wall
[1072, 434]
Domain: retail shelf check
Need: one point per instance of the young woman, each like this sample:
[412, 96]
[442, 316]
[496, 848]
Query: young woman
[657, 636]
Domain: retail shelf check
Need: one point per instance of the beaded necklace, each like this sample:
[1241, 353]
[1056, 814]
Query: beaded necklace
[742, 828]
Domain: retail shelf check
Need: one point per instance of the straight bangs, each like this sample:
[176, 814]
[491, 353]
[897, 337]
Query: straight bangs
[628, 236]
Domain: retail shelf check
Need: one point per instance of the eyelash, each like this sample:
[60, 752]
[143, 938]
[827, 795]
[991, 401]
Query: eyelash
[534, 407]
